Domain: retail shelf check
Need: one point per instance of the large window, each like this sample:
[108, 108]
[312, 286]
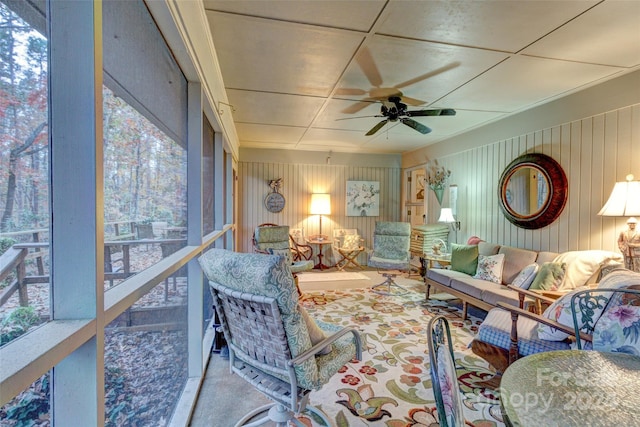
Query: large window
[24, 159]
[140, 324]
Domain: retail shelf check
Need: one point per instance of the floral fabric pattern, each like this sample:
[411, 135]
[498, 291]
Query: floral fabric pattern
[391, 386]
[449, 388]
[490, 268]
[618, 329]
[560, 310]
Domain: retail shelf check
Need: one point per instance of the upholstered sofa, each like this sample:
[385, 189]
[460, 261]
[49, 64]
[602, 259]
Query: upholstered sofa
[582, 268]
[606, 318]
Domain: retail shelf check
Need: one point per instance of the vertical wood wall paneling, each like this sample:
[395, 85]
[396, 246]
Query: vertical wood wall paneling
[299, 182]
[595, 153]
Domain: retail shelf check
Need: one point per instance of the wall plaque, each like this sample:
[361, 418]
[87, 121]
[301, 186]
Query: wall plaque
[274, 202]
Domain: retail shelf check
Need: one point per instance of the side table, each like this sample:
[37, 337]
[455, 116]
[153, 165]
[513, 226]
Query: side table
[320, 241]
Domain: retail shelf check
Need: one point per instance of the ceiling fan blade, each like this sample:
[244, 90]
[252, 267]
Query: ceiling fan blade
[432, 112]
[377, 127]
[412, 101]
[356, 107]
[369, 67]
[350, 91]
[427, 75]
[415, 125]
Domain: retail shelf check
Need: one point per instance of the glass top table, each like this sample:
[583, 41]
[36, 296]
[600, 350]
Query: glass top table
[572, 388]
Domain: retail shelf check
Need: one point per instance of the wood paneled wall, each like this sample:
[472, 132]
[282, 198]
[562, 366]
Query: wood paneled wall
[300, 181]
[595, 152]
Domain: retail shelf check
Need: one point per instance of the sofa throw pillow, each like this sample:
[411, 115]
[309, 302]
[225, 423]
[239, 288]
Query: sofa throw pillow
[315, 333]
[464, 258]
[490, 268]
[560, 311]
[286, 253]
[618, 329]
[526, 276]
[582, 265]
[549, 276]
[351, 242]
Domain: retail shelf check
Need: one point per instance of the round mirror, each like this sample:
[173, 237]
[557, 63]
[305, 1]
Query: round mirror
[532, 191]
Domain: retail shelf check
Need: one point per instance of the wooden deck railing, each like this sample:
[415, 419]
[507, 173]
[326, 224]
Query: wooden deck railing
[117, 263]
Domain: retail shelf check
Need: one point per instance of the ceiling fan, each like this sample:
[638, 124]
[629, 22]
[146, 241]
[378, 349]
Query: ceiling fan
[397, 111]
[378, 91]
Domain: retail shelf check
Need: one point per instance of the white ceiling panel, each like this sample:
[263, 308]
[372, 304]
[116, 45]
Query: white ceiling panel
[273, 108]
[292, 68]
[525, 81]
[275, 56]
[588, 37]
[269, 133]
[358, 15]
[501, 25]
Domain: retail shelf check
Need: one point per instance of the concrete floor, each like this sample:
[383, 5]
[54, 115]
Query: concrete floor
[224, 397]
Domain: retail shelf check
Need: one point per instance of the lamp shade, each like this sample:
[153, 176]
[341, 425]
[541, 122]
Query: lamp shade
[624, 199]
[320, 204]
[446, 215]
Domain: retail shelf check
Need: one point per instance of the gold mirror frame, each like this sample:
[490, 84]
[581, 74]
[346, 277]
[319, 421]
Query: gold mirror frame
[557, 191]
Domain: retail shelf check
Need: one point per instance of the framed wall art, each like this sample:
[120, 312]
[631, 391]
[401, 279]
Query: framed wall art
[363, 198]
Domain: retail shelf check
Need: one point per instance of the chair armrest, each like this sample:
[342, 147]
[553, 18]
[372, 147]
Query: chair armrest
[538, 299]
[540, 319]
[515, 312]
[322, 344]
[300, 251]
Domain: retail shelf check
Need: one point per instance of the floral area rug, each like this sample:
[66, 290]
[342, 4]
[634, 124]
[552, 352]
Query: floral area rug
[391, 386]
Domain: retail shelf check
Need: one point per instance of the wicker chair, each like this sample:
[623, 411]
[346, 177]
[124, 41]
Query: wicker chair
[391, 244]
[270, 342]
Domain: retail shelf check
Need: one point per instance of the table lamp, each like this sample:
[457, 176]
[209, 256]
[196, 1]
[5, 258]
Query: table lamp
[320, 205]
[624, 201]
[446, 216]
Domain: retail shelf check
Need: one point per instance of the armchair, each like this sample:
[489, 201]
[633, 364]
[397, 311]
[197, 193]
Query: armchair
[391, 244]
[347, 245]
[273, 344]
[584, 318]
[275, 240]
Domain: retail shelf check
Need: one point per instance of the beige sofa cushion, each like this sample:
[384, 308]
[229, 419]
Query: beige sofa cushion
[495, 294]
[546, 257]
[515, 260]
[488, 249]
[443, 276]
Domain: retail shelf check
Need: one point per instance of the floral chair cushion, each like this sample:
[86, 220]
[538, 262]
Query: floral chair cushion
[449, 388]
[560, 310]
[618, 329]
[490, 268]
[351, 242]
